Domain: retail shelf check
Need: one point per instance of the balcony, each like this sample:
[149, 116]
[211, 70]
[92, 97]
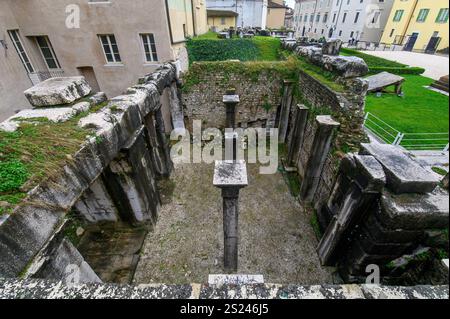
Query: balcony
[39, 76]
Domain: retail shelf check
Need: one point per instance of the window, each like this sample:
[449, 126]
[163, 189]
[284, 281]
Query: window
[423, 13]
[110, 48]
[356, 17]
[352, 34]
[334, 18]
[148, 41]
[376, 16]
[15, 38]
[311, 18]
[318, 18]
[47, 52]
[300, 18]
[344, 17]
[340, 33]
[392, 33]
[442, 16]
[398, 15]
[222, 21]
[325, 17]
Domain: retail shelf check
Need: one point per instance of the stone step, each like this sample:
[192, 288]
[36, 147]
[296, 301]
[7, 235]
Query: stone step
[440, 86]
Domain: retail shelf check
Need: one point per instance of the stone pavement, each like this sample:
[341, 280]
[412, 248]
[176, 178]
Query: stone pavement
[435, 65]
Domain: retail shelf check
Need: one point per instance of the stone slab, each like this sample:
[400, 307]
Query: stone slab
[58, 91]
[231, 99]
[237, 279]
[403, 175]
[415, 211]
[382, 80]
[230, 173]
[46, 289]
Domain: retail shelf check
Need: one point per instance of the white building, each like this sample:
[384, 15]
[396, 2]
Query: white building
[361, 20]
[251, 13]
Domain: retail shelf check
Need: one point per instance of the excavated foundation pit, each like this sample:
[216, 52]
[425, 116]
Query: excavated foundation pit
[186, 245]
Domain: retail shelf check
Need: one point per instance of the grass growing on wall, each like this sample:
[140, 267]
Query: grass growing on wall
[35, 152]
[208, 47]
[288, 69]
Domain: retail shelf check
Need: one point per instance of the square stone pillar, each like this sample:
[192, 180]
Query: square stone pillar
[131, 181]
[96, 205]
[298, 134]
[368, 180]
[231, 146]
[230, 102]
[285, 110]
[319, 152]
[230, 177]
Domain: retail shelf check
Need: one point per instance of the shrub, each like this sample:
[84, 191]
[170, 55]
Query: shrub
[398, 71]
[220, 50]
[372, 61]
[12, 175]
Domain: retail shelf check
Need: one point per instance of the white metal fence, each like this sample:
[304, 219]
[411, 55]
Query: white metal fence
[409, 141]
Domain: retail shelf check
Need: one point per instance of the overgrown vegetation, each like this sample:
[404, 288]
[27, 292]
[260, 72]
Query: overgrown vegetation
[208, 47]
[378, 65]
[35, 152]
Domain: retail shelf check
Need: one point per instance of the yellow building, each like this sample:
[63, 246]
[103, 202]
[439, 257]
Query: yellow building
[276, 14]
[219, 20]
[418, 25]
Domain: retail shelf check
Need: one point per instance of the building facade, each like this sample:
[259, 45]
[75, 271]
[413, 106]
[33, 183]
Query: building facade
[348, 20]
[110, 43]
[250, 13]
[276, 14]
[418, 25]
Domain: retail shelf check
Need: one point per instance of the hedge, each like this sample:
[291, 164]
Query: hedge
[220, 50]
[372, 61]
[398, 71]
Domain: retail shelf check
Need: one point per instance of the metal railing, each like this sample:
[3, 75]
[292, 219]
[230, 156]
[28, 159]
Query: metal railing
[409, 141]
[39, 76]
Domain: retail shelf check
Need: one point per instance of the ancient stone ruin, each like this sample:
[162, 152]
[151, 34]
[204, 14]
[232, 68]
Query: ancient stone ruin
[139, 217]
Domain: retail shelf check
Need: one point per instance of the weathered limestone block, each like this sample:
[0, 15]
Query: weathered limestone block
[298, 133]
[332, 47]
[403, 174]
[319, 152]
[57, 91]
[176, 108]
[133, 181]
[285, 110]
[415, 211]
[345, 66]
[96, 205]
[65, 263]
[98, 98]
[162, 77]
[367, 181]
[61, 114]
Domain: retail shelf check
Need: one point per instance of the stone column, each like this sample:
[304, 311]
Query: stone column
[131, 182]
[230, 104]
[230, 177]
[163, 141]
[368, 179]
[231, 146]
[285, 110]
[319, 152]
[298, 134]
[176, 109]
[96, 205]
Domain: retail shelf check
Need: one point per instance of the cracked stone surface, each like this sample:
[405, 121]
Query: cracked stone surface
[276, 239]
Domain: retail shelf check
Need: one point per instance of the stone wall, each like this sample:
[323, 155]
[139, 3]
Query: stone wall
[125, 152]
[260, 95]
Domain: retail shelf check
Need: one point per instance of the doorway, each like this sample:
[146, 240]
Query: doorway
[433, 43]
[89, 75]
[411, 42]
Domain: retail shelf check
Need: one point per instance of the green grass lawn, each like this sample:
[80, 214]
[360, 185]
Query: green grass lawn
[419, 111]
[372, 61]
